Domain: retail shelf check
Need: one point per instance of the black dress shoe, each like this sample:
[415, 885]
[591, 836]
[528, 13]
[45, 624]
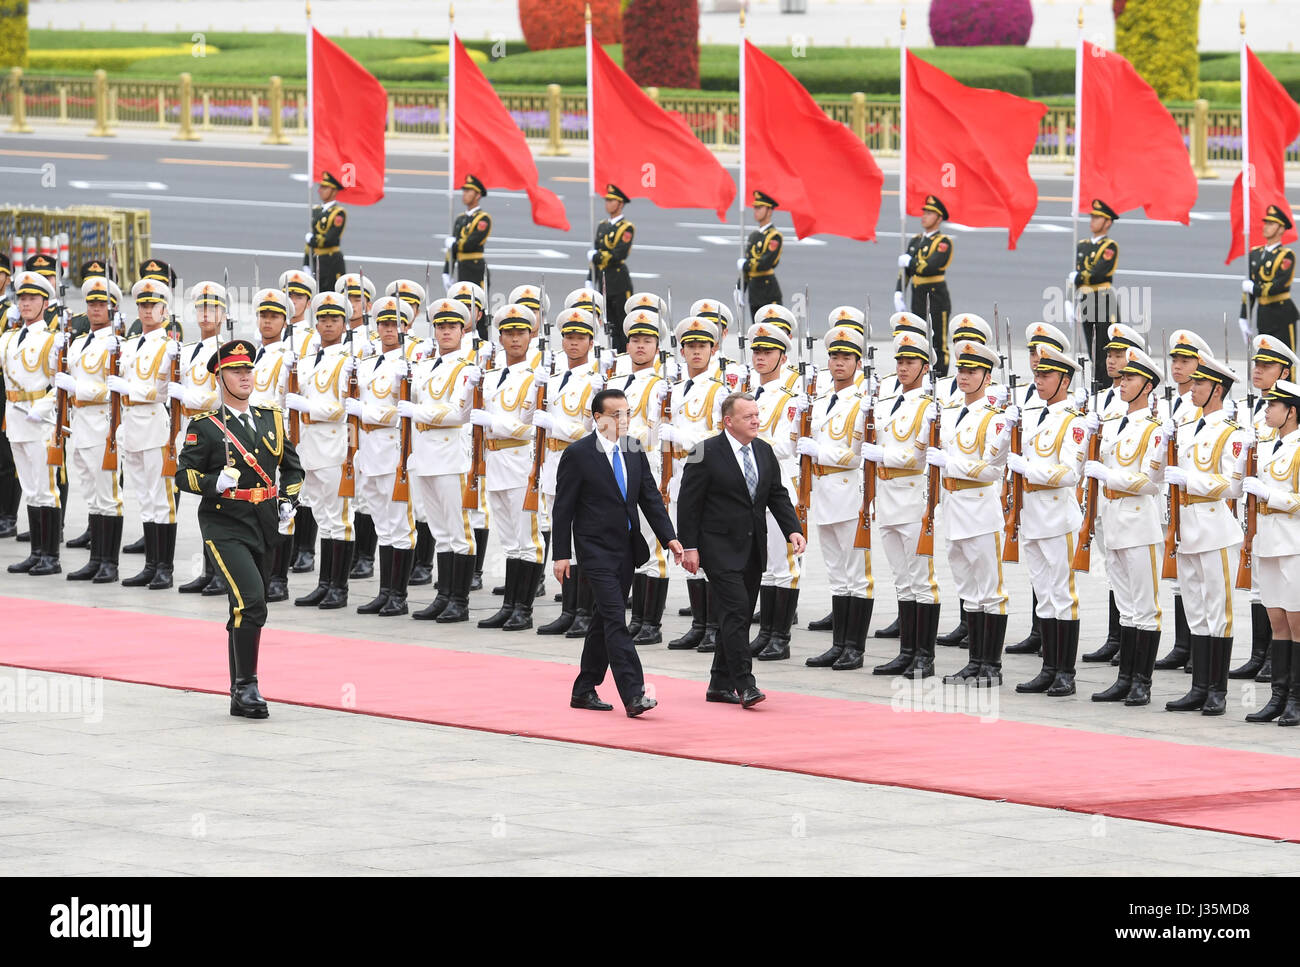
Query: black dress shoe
[638, 705]
[751, 698]
[590, 701]
[718, 695]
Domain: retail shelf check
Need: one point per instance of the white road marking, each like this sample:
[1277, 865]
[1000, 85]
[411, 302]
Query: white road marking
[122, 185]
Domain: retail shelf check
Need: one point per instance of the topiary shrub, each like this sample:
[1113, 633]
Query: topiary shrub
[548, 24]
[975, 23]
[662, 43]
[1158, 37]
[13, 33]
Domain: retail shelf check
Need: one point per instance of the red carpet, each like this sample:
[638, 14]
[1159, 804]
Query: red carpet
[1250, 793]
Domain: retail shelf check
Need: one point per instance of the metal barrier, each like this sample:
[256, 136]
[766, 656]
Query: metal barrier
[91, 231]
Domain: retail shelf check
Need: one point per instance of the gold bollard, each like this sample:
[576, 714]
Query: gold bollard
[1201, 140]
[859, 124]
[275, 100]
[101, 128]
[63, 103]
[653, 94]
[162, 108]
[19, 123]
[553, 146]
[719, 128]
[256, 120]
[186, 130]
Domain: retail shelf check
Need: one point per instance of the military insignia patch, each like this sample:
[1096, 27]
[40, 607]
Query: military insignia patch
[993, 401]
[191, 438]
[1286, 263]
[1236, 449]
[338, 219]
[790, 413]
[1108, 254]
[732, 380]
[999, 428]
[1078, 434]
[943, 246]
[627, 236]
[773, 243]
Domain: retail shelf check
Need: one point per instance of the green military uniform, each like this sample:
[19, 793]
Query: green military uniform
[324, 253]
[1094, 297]
[466, 260]
[1272, 267]
[608, 273]
[239, 525]
[929, 257]
[762, 255]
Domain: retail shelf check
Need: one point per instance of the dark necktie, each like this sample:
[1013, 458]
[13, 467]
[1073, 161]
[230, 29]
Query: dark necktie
[1177, 403]
[835, 398]
[1042, 416]
[195, 355]
[504, 373]
[758, 392]
[1110, 395]
[1200, 425]
[139, 344]
[962, 415]
[689, 384]
[1123, 423]
[258, 358]
[436, 363]
[564, 379]
[897, 403]
[320, 354]
[22, 335]
[1277, 445]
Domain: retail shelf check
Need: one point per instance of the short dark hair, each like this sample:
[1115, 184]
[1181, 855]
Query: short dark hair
[730, 402]
[598, 401]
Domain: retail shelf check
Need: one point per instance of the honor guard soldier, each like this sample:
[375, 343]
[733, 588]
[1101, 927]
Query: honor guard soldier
[968, 327]
[1130, 514]
[975, 441]
[413, 349]
[623, 365]
[757, 266]
[608, 260]
[301, 288]
[47, 266]
[696, 408]
[143, 385]
[272, 365]
[360, 294]
[534, 298]
[465, 260]
[159, 271]
[324, 378]
[1211, 458]
[323, 256]
[1185, 348]
[646, 386]
[836, 452]
[241, 462]
[474, 299]
[509, 399]
[1275, 550]
[1272, 266]
[378, 452]
[78, 323]
[589, 300]
[783, 319]
[1051, 465]
[778, 412]
[721, 367]
[900, 323]
[31, 358]
[924, 266]
[898, 456]
[6, 298]
[1094, 303]
[442, 389]
[90, 358]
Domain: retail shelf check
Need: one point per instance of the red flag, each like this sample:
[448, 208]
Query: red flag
[349, 110]
[1157, 176]
[490, 145]
[670, 165]
[1274, 123]
[970, 147]
[814, 167]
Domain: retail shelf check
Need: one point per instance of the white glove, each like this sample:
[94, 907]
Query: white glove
[1176, 476]
[175, 391]
[1168, 429]
[934, 457]
[1017, 463]
[1072, 279]
[738, 297]
[35, 416]
[227, 479]
[171, 349]
[800, 403]
[1244, 326]
[295, 401]
[807, 447]
[658, 393]
[1247, 286]
[1011, 416]
[667, 433]
[12, 314]
[1254, 487]
[1248, 438]
[899, 304]
[307, 238]
[740, 264]
[1069, 313]
[116, 384]
[65, 382]
[591, 255]
[448, 243]
[480, 417]
[929, 416]
[1095, 470]
[286, 511]
[596, 381]
[1092, 422]
[1079, 398]
[472, 375]
[998, 395]
[543, 421]
[352, 407]
[60, 340]
[446, 281]
[904, 260]
[672, 371]
[405, 409]
[873, 452]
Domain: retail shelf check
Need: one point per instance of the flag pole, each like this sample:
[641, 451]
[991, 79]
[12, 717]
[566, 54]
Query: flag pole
[453, 45]
[591, 136]
[1245, 146]
[1078, 137]
[311, 114]
[740, 174]
[902, 131]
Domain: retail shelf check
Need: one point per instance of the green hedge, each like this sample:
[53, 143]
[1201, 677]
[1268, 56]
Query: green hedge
[1285, 67]
[13, 33]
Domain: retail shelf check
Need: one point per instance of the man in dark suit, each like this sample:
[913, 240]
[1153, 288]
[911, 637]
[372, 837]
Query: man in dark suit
[603, 483]
[730, 483]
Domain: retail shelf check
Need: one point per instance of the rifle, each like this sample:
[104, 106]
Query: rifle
[666, 415]
[402, 483]
[1015, 497]
[54, 454]
[1083, 551]
[348, 479]
[863, 536]
[743, 387]
[469, 498]
[221, 386]
[805, 430]
[114, 408]
[1169, 566]
[925, 540]
[539, 440]
[1244, 562]
[169, 465]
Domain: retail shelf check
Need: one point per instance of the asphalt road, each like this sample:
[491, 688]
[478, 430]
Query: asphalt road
[218, 206]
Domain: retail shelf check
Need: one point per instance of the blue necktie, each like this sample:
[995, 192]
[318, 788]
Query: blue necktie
[620, 478]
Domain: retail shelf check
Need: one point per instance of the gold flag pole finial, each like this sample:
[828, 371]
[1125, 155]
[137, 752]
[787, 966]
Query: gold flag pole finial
[1081, 18]
[451, 13]
[308, 9]
[1243, 23]
[742, 16]
[902, 18]
[588, 13]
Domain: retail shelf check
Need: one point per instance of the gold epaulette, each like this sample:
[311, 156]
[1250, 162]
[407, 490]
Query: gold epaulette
[199, 416]
[268, 406]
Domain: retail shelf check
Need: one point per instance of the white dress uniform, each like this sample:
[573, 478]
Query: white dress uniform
[379, 449]
[30, 361]
[1276, 548]
[643, 389]
[89, 357]
[778, 426]
[271, 367]
[1050, 516]
[509, 396]
[146, 425]
[198, 385]
[323, 378]
[440, 459]
[901, 495]
[837, 491]
[568, 403]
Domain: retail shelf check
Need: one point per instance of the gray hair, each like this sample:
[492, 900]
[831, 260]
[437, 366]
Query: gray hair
[729, 404]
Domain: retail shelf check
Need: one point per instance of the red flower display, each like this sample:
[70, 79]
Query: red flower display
[548, 24]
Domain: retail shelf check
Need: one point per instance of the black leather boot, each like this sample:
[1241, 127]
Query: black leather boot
[698, 593]
[1033, 643]
[891, 630]
[435, 607]
[1067, 652]
[521, 618]
[364, 547]
[993, 636]
[1291, 712]
[91, 568]
[137, 546]
[1216, 698]
[839, 628]
[541, 571]
[336, 596]
[142, 579]
[81, 541]
[1110, 647]
[304, 540]
[1128, 655]
[112, 535]
[510, 594]
[317, 595]
[1281, 683]
[568, 606]
[33, 558]
[1144, 662]
[582, 613]
[906, 642]
[165, 535]
[403, 558]
[49, 543]
[784, 604]
[217, 587]
[651, 632]
[480, 552]
[709, 643]
[277, 585]
[1261, 636]
[960, 635]
[857, 621]
[927, 629]
[766, 610]
[376, 604]
[199, 583]
[422, 562]
[10, 496]
[462, 573]
[1049, 630]
[823, 624]
[1182, 650]
[245, 699]
[1194, 700]
[639, 583]
[974, 624]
